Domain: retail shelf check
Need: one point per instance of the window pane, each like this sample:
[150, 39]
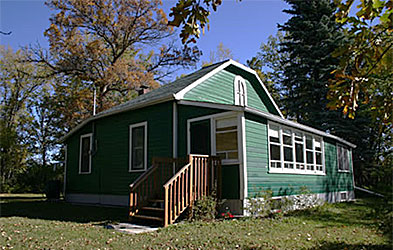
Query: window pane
[288, 156]
[85, 155]
[273, 134]
[310, 157]
[275, 164]
[287, 139]
[274, 152]
[318, 158]
[137, 159]
[138, 148]
[288, 165]
[226, 141]
[137, 136]
[345, 159]
[308, 142]
[318, 145]
[299, 152]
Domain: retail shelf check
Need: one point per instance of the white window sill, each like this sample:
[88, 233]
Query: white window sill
[84, 172]
[136, 171]
[344, 171]
[280, 171]
[229, 162]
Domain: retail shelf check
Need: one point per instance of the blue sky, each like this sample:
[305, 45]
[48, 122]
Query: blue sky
[240, 26]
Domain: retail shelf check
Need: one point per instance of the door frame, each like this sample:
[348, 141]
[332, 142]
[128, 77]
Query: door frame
[242, 162]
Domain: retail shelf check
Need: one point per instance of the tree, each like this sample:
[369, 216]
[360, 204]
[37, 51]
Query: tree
[192, 15]
[113, 46]
[365, 70]
[269, 63]
[311, 36]
[222, 53]
[16, 87]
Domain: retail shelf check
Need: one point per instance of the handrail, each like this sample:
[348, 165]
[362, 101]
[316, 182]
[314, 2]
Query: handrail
[177, 174]
[192, 182]
[142, 177]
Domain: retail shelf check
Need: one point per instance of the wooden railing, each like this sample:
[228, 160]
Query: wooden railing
[192, 182]
[148, 186]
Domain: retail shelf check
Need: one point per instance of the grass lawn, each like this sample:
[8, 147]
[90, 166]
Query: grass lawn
[28, 221]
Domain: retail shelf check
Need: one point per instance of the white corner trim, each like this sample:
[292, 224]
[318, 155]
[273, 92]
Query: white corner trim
[144, 124]
[90, 135]
[180, 95]
[243, 168]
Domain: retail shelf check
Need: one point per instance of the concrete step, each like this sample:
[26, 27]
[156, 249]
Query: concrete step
[145, 217]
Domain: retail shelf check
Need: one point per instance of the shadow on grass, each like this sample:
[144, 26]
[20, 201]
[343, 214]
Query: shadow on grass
[39, 208]
[342, 245]
[348, 214]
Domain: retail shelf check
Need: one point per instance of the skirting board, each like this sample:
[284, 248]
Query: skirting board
[102, 199]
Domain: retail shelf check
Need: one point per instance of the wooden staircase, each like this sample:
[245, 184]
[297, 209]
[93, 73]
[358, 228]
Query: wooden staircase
[170, 186]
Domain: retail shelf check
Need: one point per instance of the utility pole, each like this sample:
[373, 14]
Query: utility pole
[94, 101]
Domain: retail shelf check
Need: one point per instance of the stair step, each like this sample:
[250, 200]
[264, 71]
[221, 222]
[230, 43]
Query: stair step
[145, 217]
[157, 200]
[158, 209]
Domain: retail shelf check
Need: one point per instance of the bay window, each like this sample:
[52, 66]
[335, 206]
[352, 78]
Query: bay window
[292, 151]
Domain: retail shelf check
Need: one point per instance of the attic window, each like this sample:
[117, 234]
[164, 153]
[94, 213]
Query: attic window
[240, 91]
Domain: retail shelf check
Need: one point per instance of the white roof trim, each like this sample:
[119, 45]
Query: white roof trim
[180, 94]
[268, 116]
[92, 118]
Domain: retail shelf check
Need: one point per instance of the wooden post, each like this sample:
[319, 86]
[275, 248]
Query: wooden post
[166, 201]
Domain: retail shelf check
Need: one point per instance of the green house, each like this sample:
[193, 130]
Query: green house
[222, 110]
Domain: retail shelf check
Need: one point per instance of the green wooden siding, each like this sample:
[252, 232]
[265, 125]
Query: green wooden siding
[110, 162]
[287, 184]
[219, 89]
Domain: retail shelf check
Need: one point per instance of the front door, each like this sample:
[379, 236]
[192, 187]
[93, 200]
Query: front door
[200, 137]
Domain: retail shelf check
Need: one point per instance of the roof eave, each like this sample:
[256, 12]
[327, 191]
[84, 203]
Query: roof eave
[297, 125]
[137, 106]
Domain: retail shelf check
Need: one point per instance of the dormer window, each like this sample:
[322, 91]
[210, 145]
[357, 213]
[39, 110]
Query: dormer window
[240, 91]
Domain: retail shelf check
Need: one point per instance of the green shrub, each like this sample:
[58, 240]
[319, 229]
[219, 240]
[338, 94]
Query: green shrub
[204, 209]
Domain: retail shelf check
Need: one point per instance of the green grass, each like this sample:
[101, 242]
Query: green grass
[32, 222]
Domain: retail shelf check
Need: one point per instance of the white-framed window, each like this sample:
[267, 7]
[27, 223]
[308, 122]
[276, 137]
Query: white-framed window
[343, 154]
[85, 150]
[240, 91]
[293, 151]
[138, 147]
[226, 141]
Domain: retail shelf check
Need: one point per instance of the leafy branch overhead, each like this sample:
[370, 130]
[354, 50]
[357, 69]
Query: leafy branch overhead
[366, 62]
[113, 46]
[192, 16]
